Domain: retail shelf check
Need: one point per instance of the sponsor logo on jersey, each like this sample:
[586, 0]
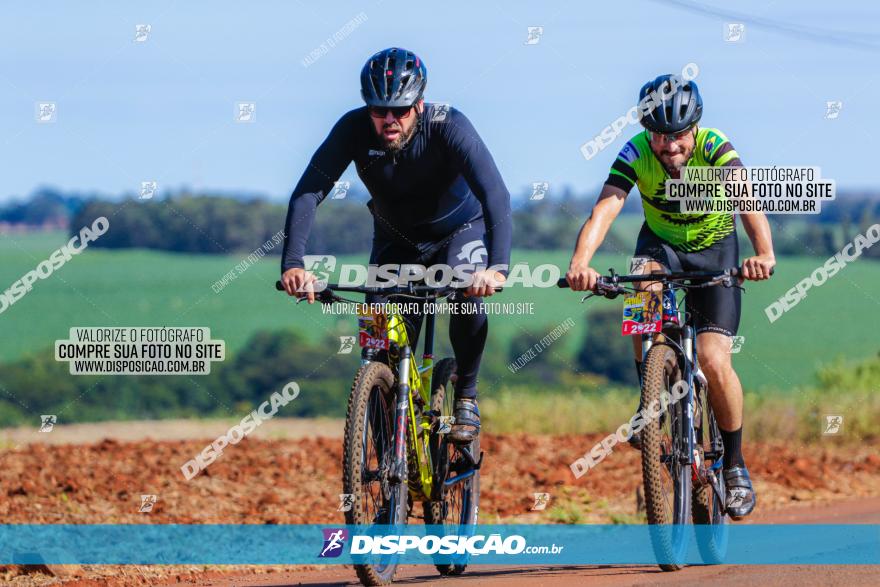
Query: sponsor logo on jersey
[375, 153]
[629, 153]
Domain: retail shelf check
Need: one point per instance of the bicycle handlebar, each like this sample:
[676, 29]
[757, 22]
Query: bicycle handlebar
[387, 291]
[606, 284]
[610, 284]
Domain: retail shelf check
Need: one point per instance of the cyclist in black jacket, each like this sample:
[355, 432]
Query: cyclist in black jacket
[436, 198]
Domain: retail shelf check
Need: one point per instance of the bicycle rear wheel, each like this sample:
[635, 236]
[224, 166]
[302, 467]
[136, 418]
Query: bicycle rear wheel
[710, 518]
[456, 498]
[666, 479]
[366, 463]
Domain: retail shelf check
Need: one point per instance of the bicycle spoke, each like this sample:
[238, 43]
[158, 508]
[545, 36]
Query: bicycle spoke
[373, 465]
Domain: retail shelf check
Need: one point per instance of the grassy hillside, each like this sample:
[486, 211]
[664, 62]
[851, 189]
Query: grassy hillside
[145, 288]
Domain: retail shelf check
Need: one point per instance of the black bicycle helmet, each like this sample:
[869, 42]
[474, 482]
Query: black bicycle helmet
[676, 112]
[392, 78]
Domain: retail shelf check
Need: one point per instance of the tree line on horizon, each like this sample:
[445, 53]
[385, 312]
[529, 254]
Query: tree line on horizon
[221, 224]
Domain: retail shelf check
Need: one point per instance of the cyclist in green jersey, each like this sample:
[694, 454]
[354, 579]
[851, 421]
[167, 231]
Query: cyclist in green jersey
[670, 240]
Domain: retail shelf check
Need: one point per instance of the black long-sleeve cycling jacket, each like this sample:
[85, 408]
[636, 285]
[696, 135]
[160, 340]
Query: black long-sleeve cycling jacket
[442, 179]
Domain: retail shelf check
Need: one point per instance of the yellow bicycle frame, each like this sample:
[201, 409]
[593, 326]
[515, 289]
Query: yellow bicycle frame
[417, 438]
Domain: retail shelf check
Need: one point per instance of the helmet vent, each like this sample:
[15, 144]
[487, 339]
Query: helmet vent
[393, 77]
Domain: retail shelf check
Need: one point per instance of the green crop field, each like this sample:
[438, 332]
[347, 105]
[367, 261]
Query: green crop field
[148, 288]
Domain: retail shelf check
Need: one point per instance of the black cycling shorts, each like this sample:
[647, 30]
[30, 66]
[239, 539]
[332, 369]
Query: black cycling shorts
[712, 309]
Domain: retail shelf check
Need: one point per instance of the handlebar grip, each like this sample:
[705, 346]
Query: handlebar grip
[562, 283]
[279, 286]
[738, 271]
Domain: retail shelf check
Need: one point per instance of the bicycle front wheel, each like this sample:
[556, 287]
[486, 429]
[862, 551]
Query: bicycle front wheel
[366, 463]
[667, 479]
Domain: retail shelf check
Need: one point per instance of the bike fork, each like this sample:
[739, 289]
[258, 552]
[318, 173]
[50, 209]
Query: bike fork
[688, 441]
[398, 466]
[647, 343]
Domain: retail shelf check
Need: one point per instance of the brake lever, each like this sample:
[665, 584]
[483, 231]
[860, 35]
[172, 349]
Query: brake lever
[605, 293]
[324, 296]
[731, 281]
[455, 297]
[608, 291]
[318, 298]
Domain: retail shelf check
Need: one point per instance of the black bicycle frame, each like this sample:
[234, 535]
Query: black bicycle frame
[686, 349]
[684, 443]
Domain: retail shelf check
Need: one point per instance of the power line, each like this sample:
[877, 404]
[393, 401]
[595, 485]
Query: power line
[869, 41]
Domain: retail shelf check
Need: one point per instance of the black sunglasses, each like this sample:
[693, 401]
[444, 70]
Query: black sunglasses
[398, 112]
[668, 137]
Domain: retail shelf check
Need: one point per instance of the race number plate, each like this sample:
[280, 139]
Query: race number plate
[373, 330]
[642, 313]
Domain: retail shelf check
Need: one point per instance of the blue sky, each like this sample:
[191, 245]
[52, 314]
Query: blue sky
[164, 109]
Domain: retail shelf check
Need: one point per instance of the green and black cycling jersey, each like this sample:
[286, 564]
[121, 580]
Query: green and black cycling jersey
[636, 164]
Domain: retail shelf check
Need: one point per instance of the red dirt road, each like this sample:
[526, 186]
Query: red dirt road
[865, 511]
[296, 480]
